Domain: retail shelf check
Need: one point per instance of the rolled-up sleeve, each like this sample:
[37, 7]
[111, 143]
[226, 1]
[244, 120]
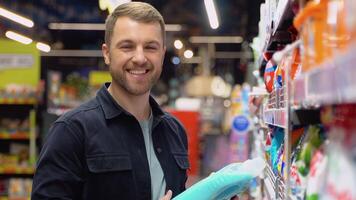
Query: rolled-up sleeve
[59, 172]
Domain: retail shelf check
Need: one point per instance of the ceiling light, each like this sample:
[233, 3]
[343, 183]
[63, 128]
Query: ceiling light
[76, 26]
[175, 60]
[216, 39]
[16, 18]
[178, 44]
[43, 47]
[99, 26]
[211, 11]
[188, 53]
[17, 37]
[173, 27]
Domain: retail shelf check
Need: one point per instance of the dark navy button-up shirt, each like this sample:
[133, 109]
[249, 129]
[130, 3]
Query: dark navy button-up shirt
[97, 151]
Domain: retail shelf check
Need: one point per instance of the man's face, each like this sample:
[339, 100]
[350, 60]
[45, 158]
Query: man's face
[135, 55]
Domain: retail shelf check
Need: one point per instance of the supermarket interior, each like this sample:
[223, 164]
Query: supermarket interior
[270, 79]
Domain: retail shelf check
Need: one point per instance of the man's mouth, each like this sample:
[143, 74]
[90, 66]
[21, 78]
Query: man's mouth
[138, 72]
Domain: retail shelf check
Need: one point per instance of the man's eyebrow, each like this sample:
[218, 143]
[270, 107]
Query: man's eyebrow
[154, 42]
[123, 41]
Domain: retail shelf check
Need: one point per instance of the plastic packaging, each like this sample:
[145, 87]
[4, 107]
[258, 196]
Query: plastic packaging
[225, 183]
[311, 22]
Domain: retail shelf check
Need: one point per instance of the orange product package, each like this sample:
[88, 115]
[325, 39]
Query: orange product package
[311, 23]
[337, 34]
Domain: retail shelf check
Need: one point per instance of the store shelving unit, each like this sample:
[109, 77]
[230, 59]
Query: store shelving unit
[18, 101]
[15, 136]
[300, 103]
[16, 170]
[26, 138]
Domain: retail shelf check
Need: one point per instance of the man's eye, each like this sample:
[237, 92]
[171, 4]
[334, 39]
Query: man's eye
[126, 47]
[151, 47]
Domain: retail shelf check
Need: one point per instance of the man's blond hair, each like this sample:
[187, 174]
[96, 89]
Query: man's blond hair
[138, 11]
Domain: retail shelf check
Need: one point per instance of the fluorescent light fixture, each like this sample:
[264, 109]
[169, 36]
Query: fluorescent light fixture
[16, 18]
[178, 44]
[173, 27]
[99, 26]
[216, 39]
[17, 37]
[73, 53]
[188, 53]
[76, 26]
[211, 11]
[43, 47]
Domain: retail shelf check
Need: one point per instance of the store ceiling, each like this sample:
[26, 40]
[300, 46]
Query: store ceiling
[237, 18]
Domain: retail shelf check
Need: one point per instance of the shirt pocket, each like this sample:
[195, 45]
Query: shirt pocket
[181, 160]
[108, 163]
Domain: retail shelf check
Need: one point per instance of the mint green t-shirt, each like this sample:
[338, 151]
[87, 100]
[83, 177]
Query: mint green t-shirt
[158, 183]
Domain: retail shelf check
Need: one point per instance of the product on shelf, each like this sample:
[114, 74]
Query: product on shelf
[277, 136]
[10, 126]
[350, 18]
[269, 75]
[311, 22]
[279, 75]
[20, 188]
[67, 93]
[340, 182]
[21, 94]
[308, 163]
[338, 36]
[316, 177]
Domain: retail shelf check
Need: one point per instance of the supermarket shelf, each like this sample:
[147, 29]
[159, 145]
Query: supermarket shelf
[14, 198]
[283, 15]
[275, 117]
[304, 117]
[16, 170]
[274, 184]
[18, 101]
[338, 82]
[15, 136]
[277, 34]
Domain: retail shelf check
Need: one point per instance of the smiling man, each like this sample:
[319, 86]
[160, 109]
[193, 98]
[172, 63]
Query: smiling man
[120, 144]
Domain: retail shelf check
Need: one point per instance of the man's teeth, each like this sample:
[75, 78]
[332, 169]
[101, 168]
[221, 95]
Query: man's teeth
[137, 72]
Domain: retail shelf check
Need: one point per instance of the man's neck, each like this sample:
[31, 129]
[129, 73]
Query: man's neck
[138, 106]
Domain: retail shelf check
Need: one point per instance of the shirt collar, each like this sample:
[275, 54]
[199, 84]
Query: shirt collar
[112, 109]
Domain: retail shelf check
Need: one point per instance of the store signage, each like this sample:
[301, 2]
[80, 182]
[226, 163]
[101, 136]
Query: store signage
[15, 61]
[241, 123]
[111, 4]
[19, 64]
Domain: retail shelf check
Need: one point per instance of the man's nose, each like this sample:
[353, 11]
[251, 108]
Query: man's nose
[139, 57]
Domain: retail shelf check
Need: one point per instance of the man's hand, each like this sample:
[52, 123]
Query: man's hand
[168, 195]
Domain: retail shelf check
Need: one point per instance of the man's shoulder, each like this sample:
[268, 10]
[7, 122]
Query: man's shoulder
[173, 121]
[89, 109]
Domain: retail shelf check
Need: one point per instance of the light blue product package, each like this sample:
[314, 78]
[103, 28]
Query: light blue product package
[277, 141]
[229, 181]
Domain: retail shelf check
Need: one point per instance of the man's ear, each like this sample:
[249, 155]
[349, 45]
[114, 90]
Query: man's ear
[106, 53]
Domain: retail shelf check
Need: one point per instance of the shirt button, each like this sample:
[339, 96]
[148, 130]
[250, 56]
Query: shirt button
[159, 150]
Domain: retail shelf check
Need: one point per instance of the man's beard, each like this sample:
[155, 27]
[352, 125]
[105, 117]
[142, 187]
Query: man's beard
[120, 80]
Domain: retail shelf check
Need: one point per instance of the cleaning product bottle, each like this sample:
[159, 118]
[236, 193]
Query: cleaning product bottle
[225, 183]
